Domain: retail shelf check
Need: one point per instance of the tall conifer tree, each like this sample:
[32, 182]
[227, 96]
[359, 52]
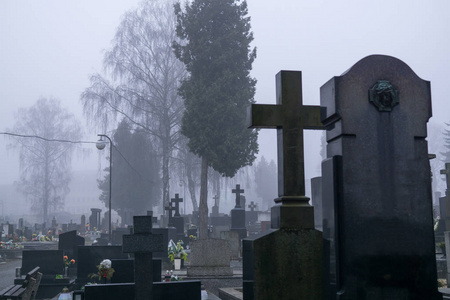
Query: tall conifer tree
[215, 48]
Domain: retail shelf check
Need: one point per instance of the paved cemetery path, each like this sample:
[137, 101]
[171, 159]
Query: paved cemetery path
[8, 271]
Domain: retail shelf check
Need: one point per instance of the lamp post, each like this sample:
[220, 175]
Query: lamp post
[100, 146]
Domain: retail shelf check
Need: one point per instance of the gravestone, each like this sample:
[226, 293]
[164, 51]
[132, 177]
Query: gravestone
[49, 261]
[89, 257]
[124, 270]
[177, 219]
[83, 224]
[376, 183]
[238, 214]
[143, 243]
[209, 257]
[294, 270]
[69, 242]
[316, 200]
[117, 235]
[170, 209]
[94, 219]
[215, 208]
[251, 216]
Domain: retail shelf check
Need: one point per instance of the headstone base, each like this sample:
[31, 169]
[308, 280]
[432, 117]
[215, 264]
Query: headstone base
[209, 257]
[209, 271]
[293, 258]
[292, 216]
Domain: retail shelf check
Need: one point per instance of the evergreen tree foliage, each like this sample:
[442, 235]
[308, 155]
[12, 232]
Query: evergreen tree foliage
[136, 186]
[215, 48]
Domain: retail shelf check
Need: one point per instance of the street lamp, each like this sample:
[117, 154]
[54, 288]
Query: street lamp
[101, 144]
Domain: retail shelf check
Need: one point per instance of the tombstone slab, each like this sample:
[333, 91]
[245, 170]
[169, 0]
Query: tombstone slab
[380, 229]
[209, 257]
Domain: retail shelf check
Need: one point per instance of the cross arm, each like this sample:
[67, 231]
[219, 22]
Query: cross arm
[264, 116]
[311, 117]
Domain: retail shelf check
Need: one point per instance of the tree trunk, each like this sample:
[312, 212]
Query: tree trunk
[203, 207]
[191, 182]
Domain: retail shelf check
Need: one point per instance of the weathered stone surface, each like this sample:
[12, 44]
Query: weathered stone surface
[288, 264]
[381, 227]
[209, 257]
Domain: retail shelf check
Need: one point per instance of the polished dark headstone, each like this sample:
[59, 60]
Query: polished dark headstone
[49, 261]
[380, 230]
[69, 240]
[124, 270]
[89, 257]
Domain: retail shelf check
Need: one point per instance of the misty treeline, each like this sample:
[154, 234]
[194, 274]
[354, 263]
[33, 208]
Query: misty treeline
[189, 103]
[47, 139]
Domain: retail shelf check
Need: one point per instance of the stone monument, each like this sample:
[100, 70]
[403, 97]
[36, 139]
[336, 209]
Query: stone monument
[238, 214]
[377, 205]
[294, 270]
[143, 243]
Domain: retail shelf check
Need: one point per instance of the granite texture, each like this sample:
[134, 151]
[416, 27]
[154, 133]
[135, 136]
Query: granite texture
[284, 264]
[381, 227]
[209, 257]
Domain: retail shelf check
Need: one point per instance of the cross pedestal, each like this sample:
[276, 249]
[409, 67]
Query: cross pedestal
[143, 243]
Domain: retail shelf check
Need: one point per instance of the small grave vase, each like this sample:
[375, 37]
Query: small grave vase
[66, 269]
[177, 263]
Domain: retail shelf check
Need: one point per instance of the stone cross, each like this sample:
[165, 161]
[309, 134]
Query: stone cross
[143, 243]
[238, 192]
[216, 200]
[446, 171]
[289, 116]
[252, 206]
[177, 201]
[170, 208]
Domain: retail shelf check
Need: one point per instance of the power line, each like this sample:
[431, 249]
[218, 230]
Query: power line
[68, 141]
[46, 139]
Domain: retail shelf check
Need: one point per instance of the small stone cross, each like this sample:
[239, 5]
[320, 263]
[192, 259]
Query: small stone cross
[170, 208]
[216, 200]
[446, 171]
[238, 192]
[177, 201]
[289, 116]
[143, 243]
[252, 206]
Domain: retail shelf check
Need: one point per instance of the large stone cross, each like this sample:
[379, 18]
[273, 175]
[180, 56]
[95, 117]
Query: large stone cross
[143, 243]
[177, 200]
[238, 191]
[289, 116]
[446, 171]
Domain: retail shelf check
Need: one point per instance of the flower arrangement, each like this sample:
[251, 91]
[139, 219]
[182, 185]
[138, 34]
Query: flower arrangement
[436, 222]
[67, 262]
[176, 250]
[192, 237]
[104, 270]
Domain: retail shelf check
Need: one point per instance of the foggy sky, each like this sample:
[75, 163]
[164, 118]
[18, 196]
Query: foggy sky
[50, 47]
